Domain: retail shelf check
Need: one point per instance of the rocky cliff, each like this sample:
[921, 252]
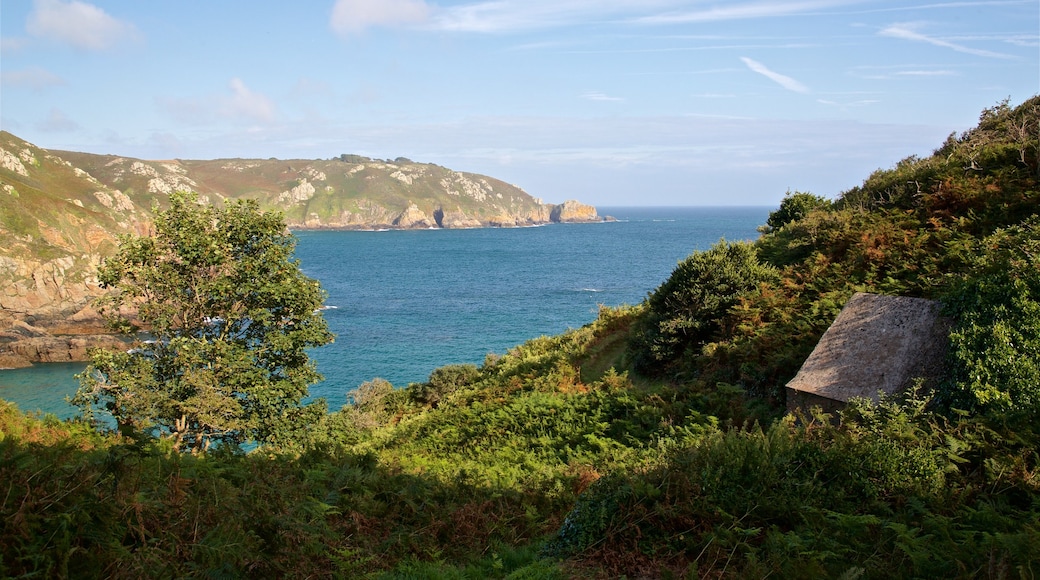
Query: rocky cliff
[348, 192]
[61, 213]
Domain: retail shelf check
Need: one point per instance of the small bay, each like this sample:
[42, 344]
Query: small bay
[403, 303]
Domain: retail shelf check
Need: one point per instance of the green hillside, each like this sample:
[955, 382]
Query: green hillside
[61, 213]
[349, 191]
[47, 205]
[651, 443]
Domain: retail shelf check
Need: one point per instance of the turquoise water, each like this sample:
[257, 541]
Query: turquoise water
[403, 303]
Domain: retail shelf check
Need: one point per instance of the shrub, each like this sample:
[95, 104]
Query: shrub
[686, 311]
[443, 381]
[995, 344]
[795, 206]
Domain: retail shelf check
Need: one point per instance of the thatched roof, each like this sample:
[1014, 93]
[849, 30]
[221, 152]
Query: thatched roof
[877, 344]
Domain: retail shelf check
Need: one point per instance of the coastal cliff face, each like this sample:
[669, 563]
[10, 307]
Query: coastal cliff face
[573, 211]
[62, 212]
[348, 192]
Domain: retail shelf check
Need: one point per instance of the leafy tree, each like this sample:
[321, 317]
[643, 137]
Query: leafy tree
[686, 311]
[229, 316]
[349, 158]
[795, 206]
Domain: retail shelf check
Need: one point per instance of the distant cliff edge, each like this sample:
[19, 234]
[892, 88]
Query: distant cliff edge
[62, 211]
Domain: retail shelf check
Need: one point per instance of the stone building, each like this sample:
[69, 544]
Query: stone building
[878, 344]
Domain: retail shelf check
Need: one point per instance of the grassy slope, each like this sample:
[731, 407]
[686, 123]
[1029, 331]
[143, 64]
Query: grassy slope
[68, 204]
[549, 452]
[340, 185]
[53, 212]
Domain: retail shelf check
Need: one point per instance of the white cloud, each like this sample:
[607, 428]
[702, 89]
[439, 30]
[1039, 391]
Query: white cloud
[351, 17]
[926, 73]
[247, 104]
[908, 31]
[243, 104]
[782, 80]
[77, 23]
[509, 15]
[12, 44]
[34, 78]
[493, 16]
[598, 96]
[57, 122]
[743, 11]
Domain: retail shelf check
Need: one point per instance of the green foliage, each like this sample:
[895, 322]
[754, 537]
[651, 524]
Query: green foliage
[893, 492]
[557, 448]
[795, 206]
[349, 158]
[229, 316]
[443, 381]
[79, 504]
[995, 346]
[687, 310]
[912, 230]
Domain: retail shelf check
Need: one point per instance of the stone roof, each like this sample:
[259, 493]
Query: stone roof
[877, 344]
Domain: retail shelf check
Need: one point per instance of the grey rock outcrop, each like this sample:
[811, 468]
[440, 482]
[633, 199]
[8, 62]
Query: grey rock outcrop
[877, 344]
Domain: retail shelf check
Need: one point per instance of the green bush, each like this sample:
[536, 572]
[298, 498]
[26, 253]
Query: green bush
[687, 310]
[995, 343]
[795, 206]
[443, 381]
[891, 492]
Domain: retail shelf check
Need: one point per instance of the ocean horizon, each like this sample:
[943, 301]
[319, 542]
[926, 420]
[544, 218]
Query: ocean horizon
[405, 302]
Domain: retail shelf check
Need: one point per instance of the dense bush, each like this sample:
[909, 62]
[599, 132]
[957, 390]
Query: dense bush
[795, 206]
[892, 492]
[996, 341]
[686, 311]
[443, 381]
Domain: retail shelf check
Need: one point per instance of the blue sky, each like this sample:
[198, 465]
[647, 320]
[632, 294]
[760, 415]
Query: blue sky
[613, 102]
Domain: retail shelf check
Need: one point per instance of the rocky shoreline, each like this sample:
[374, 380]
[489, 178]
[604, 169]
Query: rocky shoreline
[414, 218]
[64, 212]
[45, 316]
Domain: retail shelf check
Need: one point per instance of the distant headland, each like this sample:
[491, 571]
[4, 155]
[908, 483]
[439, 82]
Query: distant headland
[61, 213]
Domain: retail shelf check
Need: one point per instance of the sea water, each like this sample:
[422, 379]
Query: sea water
[403, 303]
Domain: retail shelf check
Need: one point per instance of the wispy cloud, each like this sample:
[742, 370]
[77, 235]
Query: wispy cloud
[908, 31]
[889, 72]
[243, 104]
[499, 16]
[351, 17]
[926, 73]
[947, 5]
[782, 80]
[34, 78]
[848, 105]
[742, 11]
[13, 43]
[598, 96]
[1027, 40]
[79, 24]
[57, 122]
[247, 104]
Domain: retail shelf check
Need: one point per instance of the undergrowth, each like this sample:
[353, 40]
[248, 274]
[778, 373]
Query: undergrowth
[651, 442]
